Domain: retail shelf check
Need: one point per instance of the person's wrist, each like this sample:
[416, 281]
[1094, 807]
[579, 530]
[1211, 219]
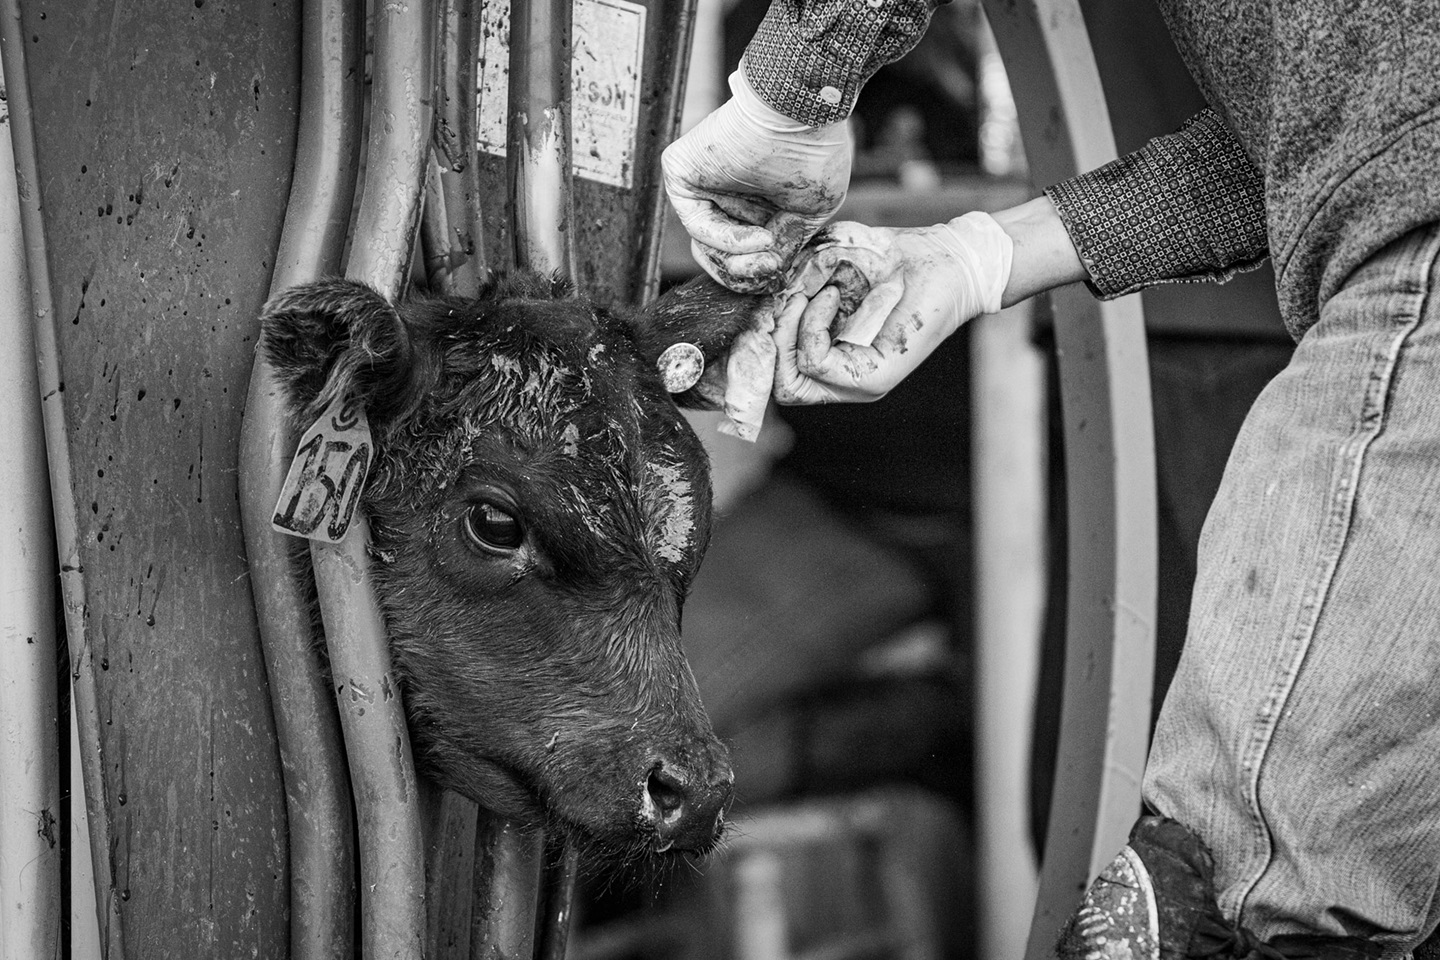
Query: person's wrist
[985, 254]
[753, 108]
[1045, 257]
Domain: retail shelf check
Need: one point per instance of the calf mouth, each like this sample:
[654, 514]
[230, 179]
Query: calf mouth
[648, 834]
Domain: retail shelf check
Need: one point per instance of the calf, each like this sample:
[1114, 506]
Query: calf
[538, 507]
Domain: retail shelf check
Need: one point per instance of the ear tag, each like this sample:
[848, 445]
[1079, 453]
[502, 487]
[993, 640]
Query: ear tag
[327, 476]
[681, 365]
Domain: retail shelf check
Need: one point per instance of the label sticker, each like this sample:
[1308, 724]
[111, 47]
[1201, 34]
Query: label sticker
[322, 489]
[607, 57]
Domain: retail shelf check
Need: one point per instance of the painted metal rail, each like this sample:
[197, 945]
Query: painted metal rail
[1110, 479]
[84, 710]
[317, 784]
[31, 817]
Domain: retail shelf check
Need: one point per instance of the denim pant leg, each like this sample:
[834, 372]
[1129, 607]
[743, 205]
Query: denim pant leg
[1301, 736]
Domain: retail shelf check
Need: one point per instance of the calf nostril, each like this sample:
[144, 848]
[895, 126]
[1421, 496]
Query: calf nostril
[686, 813]
[667, 792]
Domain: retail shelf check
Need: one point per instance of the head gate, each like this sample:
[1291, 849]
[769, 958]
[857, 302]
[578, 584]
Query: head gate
[493, 889]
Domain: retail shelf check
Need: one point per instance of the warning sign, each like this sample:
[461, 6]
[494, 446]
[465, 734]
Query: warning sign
[607, 56]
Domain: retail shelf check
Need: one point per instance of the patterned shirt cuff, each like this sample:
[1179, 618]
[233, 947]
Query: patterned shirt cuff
[1185, 207]
[809, 58]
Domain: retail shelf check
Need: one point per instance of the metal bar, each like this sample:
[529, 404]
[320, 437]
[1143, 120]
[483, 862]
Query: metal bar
[317, 786]
[1008, 459]
[450, 868]
[1110, 470]
[557, 890]
[30, 815]
[400, 128]
[506, 890]
[22, 130]
[650, 243]
[84, 924]
[459, 49]
[372, 717]
[437, 253]
[541, 207]
[541, 192]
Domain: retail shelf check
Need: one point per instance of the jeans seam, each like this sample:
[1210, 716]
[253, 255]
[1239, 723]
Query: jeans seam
[1333, 536]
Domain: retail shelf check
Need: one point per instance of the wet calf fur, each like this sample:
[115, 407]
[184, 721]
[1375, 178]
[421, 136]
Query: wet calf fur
[538, 508]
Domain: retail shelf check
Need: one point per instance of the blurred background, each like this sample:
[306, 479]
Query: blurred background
[833, 626]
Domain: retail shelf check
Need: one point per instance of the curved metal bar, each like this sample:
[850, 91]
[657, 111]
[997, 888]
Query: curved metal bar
[30, 814]
[72, 583]
[307, 725]
[507, 888]
[372, 717]
[1110, 468]
[395, 161]
[541, 195]
[557, 891]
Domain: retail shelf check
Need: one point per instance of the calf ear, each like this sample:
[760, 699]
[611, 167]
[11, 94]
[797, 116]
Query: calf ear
[336, 338]
[702, 313]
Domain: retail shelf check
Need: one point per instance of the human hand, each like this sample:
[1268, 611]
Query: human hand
[938, 278]
[752, 186]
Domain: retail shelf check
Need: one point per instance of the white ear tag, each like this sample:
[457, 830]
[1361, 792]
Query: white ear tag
[327, 476]
[681, 365]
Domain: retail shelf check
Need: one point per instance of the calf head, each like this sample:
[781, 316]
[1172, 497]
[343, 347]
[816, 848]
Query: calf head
[538, 508]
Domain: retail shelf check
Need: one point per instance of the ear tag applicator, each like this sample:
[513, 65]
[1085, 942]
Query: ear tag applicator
[681, 365]
[327, 475]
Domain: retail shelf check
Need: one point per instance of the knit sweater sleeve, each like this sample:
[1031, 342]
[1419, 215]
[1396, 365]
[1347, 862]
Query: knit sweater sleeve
[1189, 206]
[809, 58]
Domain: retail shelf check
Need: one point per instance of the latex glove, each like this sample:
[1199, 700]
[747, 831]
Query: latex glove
[947, 274]
[751, 186]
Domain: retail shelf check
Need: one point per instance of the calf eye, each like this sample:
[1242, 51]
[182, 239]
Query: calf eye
[492, 527]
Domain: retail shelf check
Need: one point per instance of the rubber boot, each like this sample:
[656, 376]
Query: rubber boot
[1156, 901]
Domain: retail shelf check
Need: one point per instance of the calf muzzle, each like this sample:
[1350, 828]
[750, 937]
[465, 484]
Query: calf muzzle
[687, 811]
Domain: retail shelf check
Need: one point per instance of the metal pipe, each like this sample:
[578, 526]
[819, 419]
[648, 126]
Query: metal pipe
[541, 192]
[1008, 466]
[22, 130]
[554, 912]
[450, 868]
[542, 216]
[650, 243]
[377, 743]
[459, 51]
[506, 890]
[437, 253]
[307, 725]
[30, 815]
[1110, 480]
[400, 128]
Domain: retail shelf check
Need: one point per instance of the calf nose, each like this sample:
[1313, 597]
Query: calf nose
[688, 811]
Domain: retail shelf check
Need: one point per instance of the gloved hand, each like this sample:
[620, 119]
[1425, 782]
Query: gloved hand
[751, 186]
[947, 274]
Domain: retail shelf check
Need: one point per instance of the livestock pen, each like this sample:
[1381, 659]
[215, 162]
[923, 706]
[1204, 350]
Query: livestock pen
[188, 782]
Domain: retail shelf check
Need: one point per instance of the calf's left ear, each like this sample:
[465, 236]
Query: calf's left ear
[333, 339]
[704, 314]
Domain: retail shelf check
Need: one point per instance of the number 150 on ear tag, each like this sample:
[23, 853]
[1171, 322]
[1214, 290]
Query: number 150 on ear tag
[322, 489]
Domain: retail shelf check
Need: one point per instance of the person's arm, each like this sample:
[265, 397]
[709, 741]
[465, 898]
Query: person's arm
[1189, 206]
[809, 58]
[1186, 207]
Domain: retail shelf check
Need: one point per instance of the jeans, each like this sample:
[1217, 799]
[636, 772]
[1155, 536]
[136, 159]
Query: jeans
[1301, 735]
